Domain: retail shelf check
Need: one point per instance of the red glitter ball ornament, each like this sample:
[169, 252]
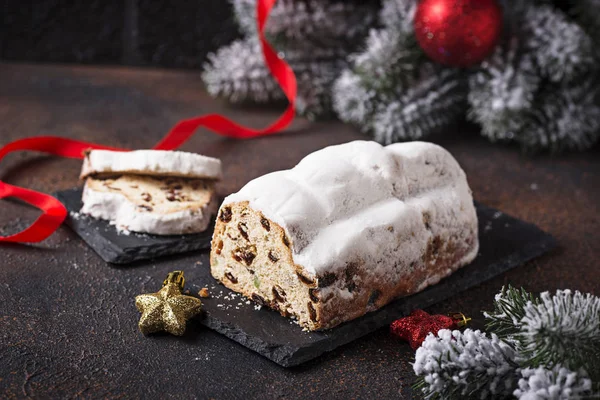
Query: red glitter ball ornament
[458, 33]
[419, 324]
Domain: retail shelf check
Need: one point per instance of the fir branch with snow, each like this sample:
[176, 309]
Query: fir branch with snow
[393, 92]
[540, 347]
[561, 48]
[531, 90]
[566, 117]
[238, 73]
[538, 89]
[549, 330]
[509, 310]
[434, 103]
[502, 90]
[313, 36]
[469, 364]
[562, 329]
[557, 383]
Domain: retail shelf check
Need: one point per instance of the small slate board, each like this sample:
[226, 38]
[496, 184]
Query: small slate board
[117, 248]
[505, 243]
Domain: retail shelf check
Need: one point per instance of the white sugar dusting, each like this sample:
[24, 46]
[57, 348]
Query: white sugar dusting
[152, 162]
[354, 201]
[231, 300]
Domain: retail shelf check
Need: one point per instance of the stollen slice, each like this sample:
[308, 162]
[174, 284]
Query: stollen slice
[147, 204]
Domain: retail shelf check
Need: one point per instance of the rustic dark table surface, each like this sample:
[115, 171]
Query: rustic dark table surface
[68, 323]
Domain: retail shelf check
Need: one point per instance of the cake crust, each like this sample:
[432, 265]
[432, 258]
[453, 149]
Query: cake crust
[100, 163]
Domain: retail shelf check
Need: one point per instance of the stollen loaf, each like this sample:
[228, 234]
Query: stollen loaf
[346, 231]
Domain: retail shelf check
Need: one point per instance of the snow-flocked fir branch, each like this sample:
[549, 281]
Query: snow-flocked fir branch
[316, 22]
[562, 49]
[398, 14]
[564, 117]
[238, 72]
[558, 383]
[391, 60]
[538, 88]
[502, 91]
[434, 103]
[509, 310]
[314, 37]
[564, 329]
[324, 24]
[549, 330]
[548, 347]
[393, 92]
[469, 364]
[245, 16]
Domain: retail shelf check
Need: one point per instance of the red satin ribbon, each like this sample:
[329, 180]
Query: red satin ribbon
[54, 213]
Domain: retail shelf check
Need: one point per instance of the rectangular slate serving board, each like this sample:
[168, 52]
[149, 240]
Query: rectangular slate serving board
[505, 242]
[117, 248]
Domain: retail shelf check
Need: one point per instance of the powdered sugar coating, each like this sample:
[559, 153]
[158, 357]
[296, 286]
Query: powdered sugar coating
[363, 201]
[152, 162]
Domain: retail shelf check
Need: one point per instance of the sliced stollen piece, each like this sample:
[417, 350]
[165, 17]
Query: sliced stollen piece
[346, 231]
[150, 162]
[161, 206]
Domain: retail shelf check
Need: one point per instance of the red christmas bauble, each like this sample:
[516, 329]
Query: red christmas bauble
[458, 33]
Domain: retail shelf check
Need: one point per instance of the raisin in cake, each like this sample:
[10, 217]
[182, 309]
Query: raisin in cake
[148, 191]
[346, 231]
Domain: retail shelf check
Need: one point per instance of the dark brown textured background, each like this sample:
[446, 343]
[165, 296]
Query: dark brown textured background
[68, 323]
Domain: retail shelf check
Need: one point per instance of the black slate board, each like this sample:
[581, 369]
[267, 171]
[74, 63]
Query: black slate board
[117, 248]
[505, 242]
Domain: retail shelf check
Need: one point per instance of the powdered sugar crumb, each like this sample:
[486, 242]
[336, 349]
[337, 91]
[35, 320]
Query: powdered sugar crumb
[231, 300]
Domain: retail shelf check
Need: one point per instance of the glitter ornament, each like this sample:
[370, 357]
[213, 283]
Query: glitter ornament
[419, 324]
[458, 33]
[168, 309]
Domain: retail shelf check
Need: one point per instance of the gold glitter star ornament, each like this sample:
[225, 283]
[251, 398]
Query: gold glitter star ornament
[168, 309]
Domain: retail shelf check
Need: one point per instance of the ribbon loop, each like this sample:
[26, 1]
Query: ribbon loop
[53, 214]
